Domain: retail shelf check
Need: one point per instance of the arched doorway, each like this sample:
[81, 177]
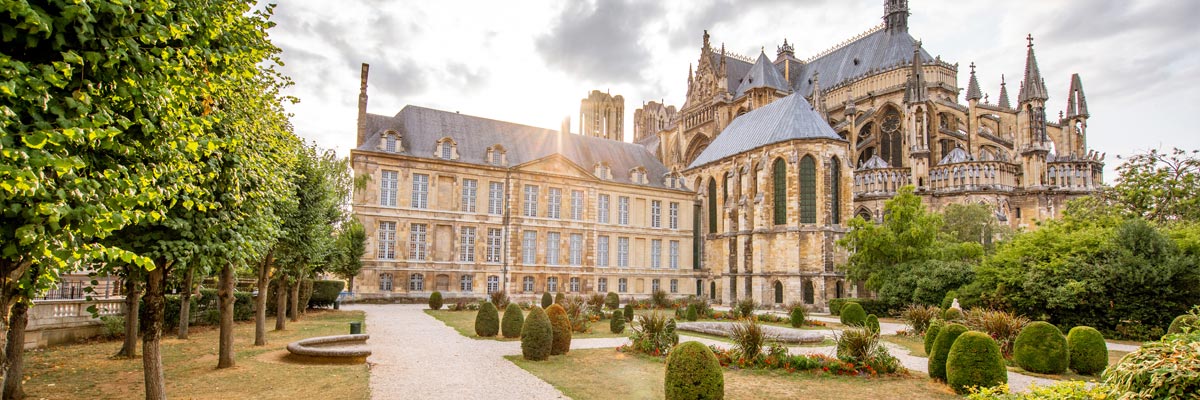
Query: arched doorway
[699, 288]
[778, 292]
[712, 290]
[840, 289]
[808, 292]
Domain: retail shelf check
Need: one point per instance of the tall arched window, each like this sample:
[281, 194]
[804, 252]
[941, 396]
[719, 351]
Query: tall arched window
[835, 187]
[778, 292]
[712, 205]
[808, 190]
[779, 184]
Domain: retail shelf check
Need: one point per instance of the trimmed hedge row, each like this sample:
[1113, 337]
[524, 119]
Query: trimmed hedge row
[871, 306]
[205, 309]
[325, 293]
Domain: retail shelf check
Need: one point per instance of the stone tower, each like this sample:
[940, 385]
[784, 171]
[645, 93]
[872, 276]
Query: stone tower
[602, 115]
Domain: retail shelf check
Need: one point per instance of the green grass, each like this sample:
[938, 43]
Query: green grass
[914, 344]
[464, 323]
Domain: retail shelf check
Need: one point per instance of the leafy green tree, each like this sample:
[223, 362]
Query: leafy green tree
[1159, 186]
[350, 246]
[974, 223]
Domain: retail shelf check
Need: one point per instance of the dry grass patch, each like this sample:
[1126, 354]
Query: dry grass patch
[915, 346]
[464, 323]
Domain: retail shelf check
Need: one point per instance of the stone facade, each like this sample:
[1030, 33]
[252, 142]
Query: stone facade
[602, 115]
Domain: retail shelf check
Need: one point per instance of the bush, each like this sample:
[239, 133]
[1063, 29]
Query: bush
[948, 300]
[693, 372]
[537, 336]
[860, 346]
[114, 326]
[654, 334]
[629, 312]
[499, 299]
[918, 316]
[1041, 348]
[1183, 321]
[872, 323]
[559, 298]
[952, 315]
[745, 307]
[1168, 368]
[487, 321]
[1088, 351]
[1002, 326]
[595, 303]
[941, 349]
[325, 293]
[872, 306]
[514, 319]
[659, 299]
[931, 334]
[975, 361]
[693, 312]
[853, 315]
[748, 338]
[560, 324]
[616, 324]
[1062, 390]
[435, 300]
[612, 301]
[547, 300]
[796, 318]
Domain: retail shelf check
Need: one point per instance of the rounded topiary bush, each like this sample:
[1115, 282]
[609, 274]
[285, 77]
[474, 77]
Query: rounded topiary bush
[797, 317]
[1185, 320]
[629, 313]
[611, 301]
[941, 349]
[435, 301]
[514, 319]
[1041, 348]
[872, 323]
[547, 300]
[560, 324]
[975, 360]
[693, 372]
[692, 312]
[537, 336]
[931, 334]
[1088, 351]
[952, 314]
[560, 298]
[617, 323]
[853, 314]
[487, 321]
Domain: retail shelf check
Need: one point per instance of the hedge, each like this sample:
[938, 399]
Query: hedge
[536, 336]
[871, 306]
[975, 361]
[941, 349]
[629, 313]
[325, 293]
[853, 314]
[487, 321]
[1041, 348]
[693, 372]
[514, 319]
[796, 318]
[617, 323]
[560, 324]
[931, 334]
[1088, 351]
[204, 309]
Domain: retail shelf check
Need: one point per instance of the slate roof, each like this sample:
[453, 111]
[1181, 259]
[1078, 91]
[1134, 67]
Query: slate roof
[785, 119]
[955, 156]
[420, 129]
[762, 74]
[877, 50]
[735, 69]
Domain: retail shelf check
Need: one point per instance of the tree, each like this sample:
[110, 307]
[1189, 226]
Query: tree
[350, 246]
[974, 223]
[1159, 186]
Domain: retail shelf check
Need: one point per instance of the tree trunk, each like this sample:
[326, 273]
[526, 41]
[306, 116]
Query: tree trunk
[260, 302]
[294, 301]
[156, 388]
[225, 293]
[14, 351]
[350, 287]
[281, 295]
[129, 348]
[185, 303]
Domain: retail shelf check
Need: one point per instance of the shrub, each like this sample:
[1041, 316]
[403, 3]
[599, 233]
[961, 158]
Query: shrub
[952, 315]
[872, 306]
[435, 300]
[575, 307]
[860, 346]
[872, 323]
[1088, 351]
[537, 336]
[560, 324]
[499, 299]
[514, 319]
[693, 372]
[559, 298]
[659, 299]
[948, 300]
[918, 316]
[114, 326]
[629, 312]
[931, 334]
[1002, 326]
[1041, 348]
[941, 349]
[796, 317]
[595, 303]
[748, 338]
[611, 301]
[547, 300]
[325, 293]
[745, 307]
[617, 323]
[975, 361]
[1183, 321]
[853, 315]
[1168, 368]
[653, 334]
[487, 321]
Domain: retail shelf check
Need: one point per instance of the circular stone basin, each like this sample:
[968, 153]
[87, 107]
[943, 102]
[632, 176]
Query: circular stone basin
[785, 335]
[339, 349]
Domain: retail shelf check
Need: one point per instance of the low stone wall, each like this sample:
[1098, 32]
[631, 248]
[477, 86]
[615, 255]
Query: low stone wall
[53, 322]
[337, 349]
[785, 335]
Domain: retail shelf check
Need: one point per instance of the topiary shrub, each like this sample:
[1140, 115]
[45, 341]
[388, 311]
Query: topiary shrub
[975, 361]
[872, 323]
[1182, 321]
[1041, 348]
[797, 317]
[537, 336]
[487, 321]
[612, 301]
[1088, 351]
[325, 293]
[952, 314]
[617, 323]
[693, 312]
[560, 323]
[853, 315]
[560, 298]
[931, 334]
[941, 349]
[435, 301]
[514, 319]
[629, 312]
[693, 372]
[547, 300]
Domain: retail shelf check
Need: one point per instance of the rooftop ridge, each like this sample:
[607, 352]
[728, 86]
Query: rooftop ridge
[739, 57]
[874, 29]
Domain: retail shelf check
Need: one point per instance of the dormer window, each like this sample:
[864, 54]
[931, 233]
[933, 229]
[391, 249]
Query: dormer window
[602, 171]
[496, 155]
[447, 149]
[390, 145]
[638, 175]
[390, 142]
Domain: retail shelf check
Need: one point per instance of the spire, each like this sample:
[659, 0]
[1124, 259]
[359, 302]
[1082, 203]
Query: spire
[850, 108]
[1003, 94]
[973, 92]
[895, 15]
[818, 101]
[1033, 87]
[723, 59]
[1076, 102]
[916, 92]
[689, 74]
[705, 48]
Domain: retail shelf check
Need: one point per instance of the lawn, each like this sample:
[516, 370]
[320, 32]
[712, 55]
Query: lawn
[86, 370]
[609, 374]
[914, 344]
[464, 323]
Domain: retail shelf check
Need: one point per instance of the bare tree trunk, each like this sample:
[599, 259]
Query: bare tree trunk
[185, 303]
[350, 288]
[132, 295]
[294, 301]
[225, 293]
[156, 388]
[14, 335]
[281, 295]
[14, 351]
[260, 302]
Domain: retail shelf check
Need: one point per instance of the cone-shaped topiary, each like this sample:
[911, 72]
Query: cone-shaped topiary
[560, 298]
[537, 336]
[872, 323]
[1185, 320]
[487, 321]
[1088, 351]
[435, 301]
[797, 316]
[692, 312]
[617, 323]
[560, 323]
[629, 313]
[853, 314]
[941, 349]
[547, 300]
[1041, 348]
[975, 360]
[693, 372]
[931, 334]
[611, 301]
[514, 319]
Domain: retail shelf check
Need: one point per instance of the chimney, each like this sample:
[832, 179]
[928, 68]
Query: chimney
[362, 106]
[566, 126]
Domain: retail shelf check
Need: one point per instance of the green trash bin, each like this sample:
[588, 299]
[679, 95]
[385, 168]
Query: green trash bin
[356, 328]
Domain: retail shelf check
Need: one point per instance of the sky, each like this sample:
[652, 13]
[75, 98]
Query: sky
[530, 62]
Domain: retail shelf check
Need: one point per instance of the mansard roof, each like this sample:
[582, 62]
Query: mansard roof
[762, 74]
[420, 129]
[785, 119]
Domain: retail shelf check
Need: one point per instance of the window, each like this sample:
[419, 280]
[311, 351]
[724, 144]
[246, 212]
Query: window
[808, 190]
[602, 209]
[388, 188]
[656, 214]
[552, 248]
[835, 188]
[493, 245]
[527, 284]
[554, 209]
[656, 253]
[674, 286]
[602, 251]
[673, 255]
[446, 147]
[576, 249]
[623, 210]
[602, 285]
[416, 283]
[493, 284]
[674, 216]
[387, 241]
[385, 282]
[712, 205]
[779, 184]
[623, 252]
[465, 283]
[470, 186]
[577, 205]
[495, 155]
[390, 144]
[574, 285]
[552, 284]
[654, 285]
[531, 195]
[495, 198]
[622, 285]
[466, 243]
[529, 248]
[416, 242]
[420, 194]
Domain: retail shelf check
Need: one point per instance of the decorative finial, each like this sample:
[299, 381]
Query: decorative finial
[1030, 39]
[972, 68]
[1001, 79]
